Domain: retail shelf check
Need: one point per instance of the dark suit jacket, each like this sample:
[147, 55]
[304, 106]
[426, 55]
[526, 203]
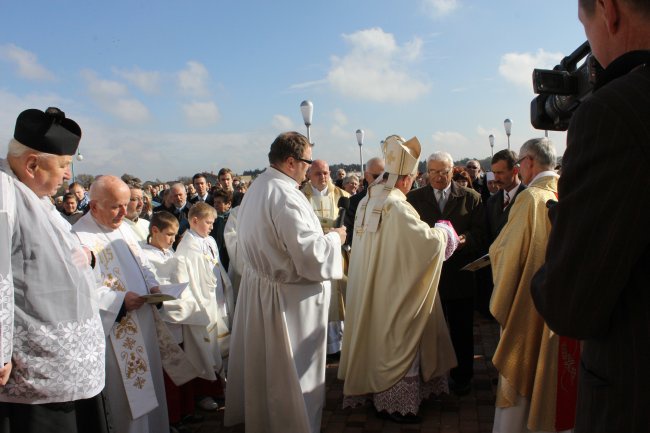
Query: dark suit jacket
[480, 186]
[595, 284]
[497, 217]
[183, 221]
[208, 200]
[466, 213]
[348, 221]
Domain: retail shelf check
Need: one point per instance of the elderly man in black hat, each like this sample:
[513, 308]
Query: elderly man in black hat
[51, 336]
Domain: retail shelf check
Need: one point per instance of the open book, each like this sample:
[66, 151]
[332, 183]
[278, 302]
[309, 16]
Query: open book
[168, 292]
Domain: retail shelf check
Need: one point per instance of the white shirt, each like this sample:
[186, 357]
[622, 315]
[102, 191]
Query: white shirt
[317, 192]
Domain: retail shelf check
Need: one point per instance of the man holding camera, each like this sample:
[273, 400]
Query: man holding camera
[594, 285]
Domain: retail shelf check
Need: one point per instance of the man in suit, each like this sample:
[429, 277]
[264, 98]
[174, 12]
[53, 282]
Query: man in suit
[479, 182]
[177, 206]
[594, 284]
[506, 175]
[201, 186]
[443, 199]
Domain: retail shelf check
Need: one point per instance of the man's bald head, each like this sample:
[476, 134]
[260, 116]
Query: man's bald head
[319, 174]
[374, 167]
[109, 198]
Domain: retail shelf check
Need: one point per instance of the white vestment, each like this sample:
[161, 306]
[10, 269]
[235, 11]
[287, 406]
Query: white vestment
[119, 259]
[186, 319]
[140, 229]
[210, 287]
[276, 380]
[236, 266]
[49, 321]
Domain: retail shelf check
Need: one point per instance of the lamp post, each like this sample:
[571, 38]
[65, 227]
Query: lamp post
[360, 143]
[79, 158]
[307, 110]
[507, 124]
[491, 138]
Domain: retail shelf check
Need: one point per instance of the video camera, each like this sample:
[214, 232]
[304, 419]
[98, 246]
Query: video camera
[562, 89]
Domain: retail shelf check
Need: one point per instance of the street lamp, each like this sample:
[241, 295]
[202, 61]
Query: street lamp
[307, 110]
[360, 143]
[508, 125]
[491, 138]
[80, 158]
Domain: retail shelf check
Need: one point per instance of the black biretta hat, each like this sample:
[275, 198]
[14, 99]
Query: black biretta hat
[48, 131]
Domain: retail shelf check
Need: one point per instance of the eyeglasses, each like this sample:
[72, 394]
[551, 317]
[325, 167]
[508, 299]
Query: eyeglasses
[518, 163]
[306, 161]
[469, 167]
[443, 173]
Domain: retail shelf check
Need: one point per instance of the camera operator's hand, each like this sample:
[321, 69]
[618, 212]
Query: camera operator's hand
[461, 241]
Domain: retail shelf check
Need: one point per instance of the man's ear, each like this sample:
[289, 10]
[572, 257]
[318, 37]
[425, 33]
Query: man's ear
[611, 14]
[31, 165]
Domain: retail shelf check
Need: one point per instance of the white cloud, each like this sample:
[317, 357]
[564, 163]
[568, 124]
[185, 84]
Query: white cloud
[193, 80]
[282, 123]
[518, 67]
[169, 155]
[439, 8]
[340, 117]
[147, 81]
[113, 97]
[201, 113]
[308, 84]
[26, 63]
[453, 142]
[377, 69]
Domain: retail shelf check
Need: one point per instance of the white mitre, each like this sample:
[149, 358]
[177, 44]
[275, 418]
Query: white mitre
[401, 158]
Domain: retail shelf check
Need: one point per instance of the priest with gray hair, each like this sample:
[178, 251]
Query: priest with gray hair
[51, 338]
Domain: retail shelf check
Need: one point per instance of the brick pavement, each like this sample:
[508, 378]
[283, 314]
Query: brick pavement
[472, 413]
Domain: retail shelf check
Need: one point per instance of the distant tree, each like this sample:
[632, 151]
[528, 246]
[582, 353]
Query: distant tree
[253, 173]
[85, 179]
[184, 180]
[127, 178]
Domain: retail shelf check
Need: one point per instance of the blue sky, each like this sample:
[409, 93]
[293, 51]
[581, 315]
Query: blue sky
[166, 89]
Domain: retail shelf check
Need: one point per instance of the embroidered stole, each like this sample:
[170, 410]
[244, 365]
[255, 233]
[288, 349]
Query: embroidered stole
[128, 342]
[129, 345]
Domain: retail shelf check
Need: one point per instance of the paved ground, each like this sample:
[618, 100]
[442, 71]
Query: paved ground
[472, 413]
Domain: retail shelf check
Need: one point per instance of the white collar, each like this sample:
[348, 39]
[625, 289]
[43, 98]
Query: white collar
[544, 174]
[317, 192]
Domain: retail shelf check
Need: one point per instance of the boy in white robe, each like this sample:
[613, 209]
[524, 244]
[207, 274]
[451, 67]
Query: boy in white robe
[159, 252]
[211, 287]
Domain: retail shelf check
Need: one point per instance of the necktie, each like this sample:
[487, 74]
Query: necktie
[441, 199]
[506, 200]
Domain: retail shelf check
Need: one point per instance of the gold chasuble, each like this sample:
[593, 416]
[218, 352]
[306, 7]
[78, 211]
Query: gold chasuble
[325, 206]
[528, 351]
[327, 211]
[393, 309]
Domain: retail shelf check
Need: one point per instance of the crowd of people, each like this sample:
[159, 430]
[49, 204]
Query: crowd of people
[126, 307]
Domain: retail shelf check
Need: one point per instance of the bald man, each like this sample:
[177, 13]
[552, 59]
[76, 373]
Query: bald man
[374, 168]
[134, 376]
[324, 197]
